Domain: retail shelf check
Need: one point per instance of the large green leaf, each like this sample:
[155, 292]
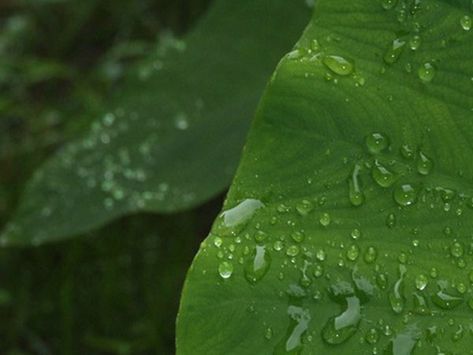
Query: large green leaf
[173, 136]
[348, 227]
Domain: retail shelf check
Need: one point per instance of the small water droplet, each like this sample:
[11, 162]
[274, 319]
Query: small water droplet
[421, 282]
[426, 72]
[420, 304]
[268, 334]
[292, 251]
[304, 207]
[355, 234]
[377, 142]
[407, 151]
[405, 195]
[297, 236]
[389, 4]
[424, 164]
[456, 250]
[391, 220]
[338, 65]
[225, 269]
[415, 42]
[372, 336]
[325, 219]
[353, 252]
[466, 22]
[370, 255]
[394, 51]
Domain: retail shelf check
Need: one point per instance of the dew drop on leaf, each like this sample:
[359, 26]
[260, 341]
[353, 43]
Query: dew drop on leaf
[339, 329]
[405, 195]
[241, 213]
[355, 194]
[353, 252]
[304, 207]
[421, 282]
[338, 65]
[377, 142]
[257, 267]
[382, 176]
[415, 42]
[225, 269]
[396, 296]
[404, 342]
[466, 22]
[325, 219]
[424, 164]
[394, 51]
[370, 255]
[391, 220]
[292, 250]
[388, 4]
[426, 72]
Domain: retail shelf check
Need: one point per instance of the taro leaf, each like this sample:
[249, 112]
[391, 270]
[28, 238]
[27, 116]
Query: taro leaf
[175, 133]
[360, 159]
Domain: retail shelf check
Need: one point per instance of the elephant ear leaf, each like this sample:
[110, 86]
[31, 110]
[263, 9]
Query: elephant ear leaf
[173, 133]
[354, 195]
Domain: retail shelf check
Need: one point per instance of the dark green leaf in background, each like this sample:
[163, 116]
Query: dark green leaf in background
[175, 128]
[351, 212]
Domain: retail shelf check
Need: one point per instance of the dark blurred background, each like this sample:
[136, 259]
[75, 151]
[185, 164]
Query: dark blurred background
[116, 290]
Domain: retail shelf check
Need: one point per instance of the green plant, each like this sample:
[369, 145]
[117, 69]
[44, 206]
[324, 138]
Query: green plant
[347, 226]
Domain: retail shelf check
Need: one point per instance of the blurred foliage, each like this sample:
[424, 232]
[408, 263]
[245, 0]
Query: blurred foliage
[116, 294]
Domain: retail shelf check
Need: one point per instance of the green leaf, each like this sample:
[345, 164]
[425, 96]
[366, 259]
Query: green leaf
[174, 133]
[360, 154]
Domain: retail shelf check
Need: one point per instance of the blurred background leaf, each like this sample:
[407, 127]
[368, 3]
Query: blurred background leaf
[173, 130]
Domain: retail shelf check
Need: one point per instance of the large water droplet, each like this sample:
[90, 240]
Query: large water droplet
[241, 213]
[404, 342]
[382, 176]
[394, 51]
[339, 329]
[377, 142]
[258, 266]
[298, 325]
[446, 298]
[405, 195]
[396, 296]
[338, 65]
[426, 72]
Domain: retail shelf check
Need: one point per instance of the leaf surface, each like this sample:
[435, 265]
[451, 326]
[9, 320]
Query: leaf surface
[174, 132]
[354, 195]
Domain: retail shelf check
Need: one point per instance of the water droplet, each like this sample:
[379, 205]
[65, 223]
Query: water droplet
[377, 143]
[421, 282]
[325, 219]
[292, 251]
[407, 151]
[298, 237]
[299, 322]
[372, 336]
[456, 250]
[426, 72]
[405, 195]
[391, 220]
[320, 254]
[318, 271]
[415, 42]
[353, 252]
[338, 65]
[268, 334]
[181, 121]
[218, 242]
[258, 266]
[466, 22]
[394, 51]
[370, 255]
[241, 213]
[355, 234]
[225, 269]
[404, 342]
[396, 296]
[278, 245]
[389, 4]
[420, 304]
[339, 329]
[424, 164]
[382, 176]
[355, 194]
[260, 236]
[446, 298]
[304, 207]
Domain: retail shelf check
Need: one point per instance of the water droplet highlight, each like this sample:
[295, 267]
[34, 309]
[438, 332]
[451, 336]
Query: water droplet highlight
[338, 65]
